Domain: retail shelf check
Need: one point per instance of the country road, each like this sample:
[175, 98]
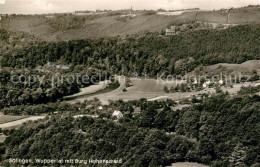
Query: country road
[20, 122]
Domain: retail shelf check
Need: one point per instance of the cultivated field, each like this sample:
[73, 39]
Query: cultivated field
[100, 27]
[245, 15]
[142, 88]
[244, 68]
[213, 16]
[90, 89]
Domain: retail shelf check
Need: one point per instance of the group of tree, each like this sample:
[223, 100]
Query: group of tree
[220, 131]
[33, 87]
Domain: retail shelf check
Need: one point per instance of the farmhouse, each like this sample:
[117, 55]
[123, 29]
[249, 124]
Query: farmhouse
[205, 85]
[171, 31]
[117, 114]
[221, 82]
[137, 110]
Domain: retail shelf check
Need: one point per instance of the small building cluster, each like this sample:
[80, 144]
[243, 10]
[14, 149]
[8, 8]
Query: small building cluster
[49, 17]
[171, 31]
[207, 83]
[198, 25]
[174, 30]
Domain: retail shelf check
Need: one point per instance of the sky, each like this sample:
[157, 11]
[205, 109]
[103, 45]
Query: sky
[61, 6]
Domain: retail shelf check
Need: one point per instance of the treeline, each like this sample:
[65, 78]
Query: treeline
[33, 87]
[220, 131]
[150, 53]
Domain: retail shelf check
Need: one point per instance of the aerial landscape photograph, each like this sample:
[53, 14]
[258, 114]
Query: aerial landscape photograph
[130, 83]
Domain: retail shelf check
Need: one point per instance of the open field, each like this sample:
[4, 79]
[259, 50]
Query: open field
[245, 15]
[9, 118]
[244, 68]
[213, 16]
[176, 13]
[149, 85]
[152, 90]
[142, 88]
[91, 89]
[18, 123]
[180, 106]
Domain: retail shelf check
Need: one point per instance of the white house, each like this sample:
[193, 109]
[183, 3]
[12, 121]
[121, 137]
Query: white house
[208, 82]
[100, 108]
[204, 85]
[117, 114]
[221, 82]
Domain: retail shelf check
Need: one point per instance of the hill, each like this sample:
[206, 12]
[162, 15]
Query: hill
[85, 27]
[245, 68]
[69, 26]
[219, 131]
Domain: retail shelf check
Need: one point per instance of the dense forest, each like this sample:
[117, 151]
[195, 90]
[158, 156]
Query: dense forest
[151, 53]
[220, 131]
[34, 87]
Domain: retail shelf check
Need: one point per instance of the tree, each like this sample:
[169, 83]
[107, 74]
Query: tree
[165, 89]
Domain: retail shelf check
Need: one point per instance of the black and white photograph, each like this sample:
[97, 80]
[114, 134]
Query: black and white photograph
[130, 83]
